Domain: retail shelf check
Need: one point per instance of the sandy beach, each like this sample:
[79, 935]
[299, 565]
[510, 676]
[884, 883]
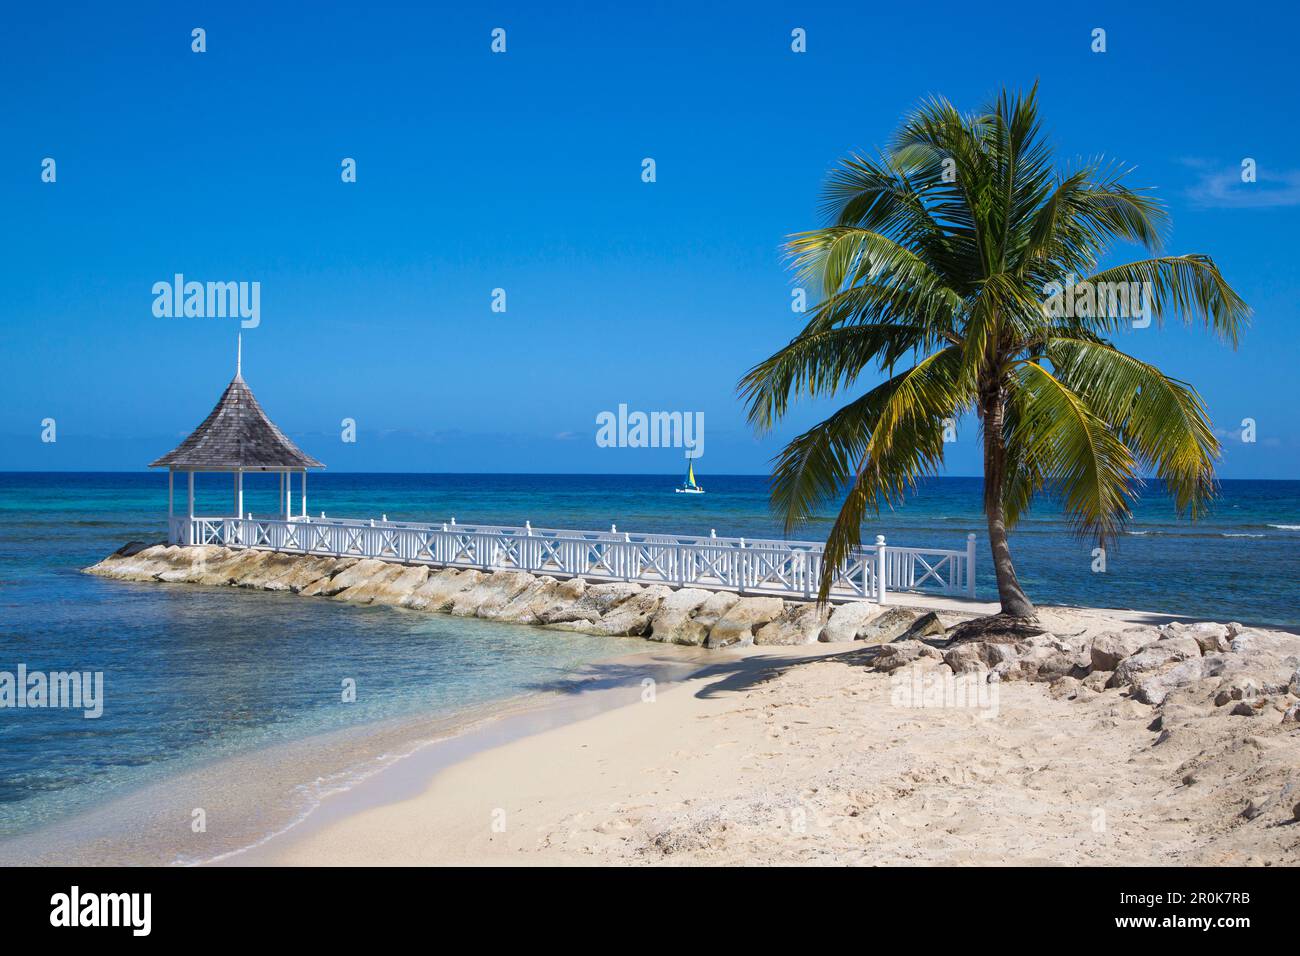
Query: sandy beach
[798, 755]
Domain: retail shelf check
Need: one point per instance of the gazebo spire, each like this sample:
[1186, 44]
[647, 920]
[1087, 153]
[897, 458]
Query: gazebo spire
[239, 354]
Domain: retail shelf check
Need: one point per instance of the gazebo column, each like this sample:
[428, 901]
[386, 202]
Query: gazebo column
[191, 474]
[171, 495]
[304, 492]
[239, 494]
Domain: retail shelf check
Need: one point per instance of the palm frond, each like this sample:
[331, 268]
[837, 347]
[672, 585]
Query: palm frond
[1074, 452]
[1163, 421]
[1187, 287]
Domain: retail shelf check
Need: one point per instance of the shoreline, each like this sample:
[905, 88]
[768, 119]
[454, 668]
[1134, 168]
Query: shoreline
[591, 698]
[424, 790]
[798, 755]
[283, 784]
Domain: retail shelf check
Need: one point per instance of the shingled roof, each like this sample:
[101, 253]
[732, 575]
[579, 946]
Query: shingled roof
[237, 434]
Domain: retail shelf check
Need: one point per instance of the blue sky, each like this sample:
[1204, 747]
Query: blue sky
[522, 171]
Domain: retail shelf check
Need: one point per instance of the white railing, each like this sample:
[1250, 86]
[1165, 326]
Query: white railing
[785, 568]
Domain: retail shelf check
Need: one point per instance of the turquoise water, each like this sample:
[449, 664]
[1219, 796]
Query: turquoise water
[194, 674]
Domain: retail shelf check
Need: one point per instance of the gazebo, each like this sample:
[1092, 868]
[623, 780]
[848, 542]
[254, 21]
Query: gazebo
[236, 437]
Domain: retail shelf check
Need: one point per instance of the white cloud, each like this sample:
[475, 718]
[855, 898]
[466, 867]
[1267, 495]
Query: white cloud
[1223, 189]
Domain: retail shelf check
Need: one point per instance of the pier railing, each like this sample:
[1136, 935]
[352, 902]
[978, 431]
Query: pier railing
[750, 566]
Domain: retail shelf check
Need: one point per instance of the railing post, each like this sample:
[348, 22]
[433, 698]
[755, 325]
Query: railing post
[744, 576]
[970, 565]
[881, 587]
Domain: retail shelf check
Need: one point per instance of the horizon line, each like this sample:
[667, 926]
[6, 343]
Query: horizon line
[528, 474]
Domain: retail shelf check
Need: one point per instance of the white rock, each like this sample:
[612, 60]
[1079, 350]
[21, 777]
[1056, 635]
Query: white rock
[799, 623]
[676, 617]
[847, 621]
[1109, 649]
[746, 616]
[631, 618]
[1154, 688]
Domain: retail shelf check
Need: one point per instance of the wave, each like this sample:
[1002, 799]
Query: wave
[1286, 527]
[1241, 534]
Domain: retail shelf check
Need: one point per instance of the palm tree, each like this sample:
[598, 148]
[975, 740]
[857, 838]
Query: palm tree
[965, 249]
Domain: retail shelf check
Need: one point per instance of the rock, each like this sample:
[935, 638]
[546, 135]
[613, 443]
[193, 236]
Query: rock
[1153, 657]
[848, 620]
[230, 569]
[1243, 641]
[567, 593]
[364, 590]
[139, 565]
[1239, 687]
[1048, 664]
[964, 658]
[596, 601]
[527, 606]
[695, 632]
[1212, 638]
[632, 618]
[887, 626]
[676, 617]
[1292, 714]
[1154, 688]
[490, 594]
[151, 562]
[1109, 649]
[1050, 642]
[1243, 709]
[389, 589]
[201, 557]
[927, 625]
[269, 566]
[1096, 681]
[898, 654]
[746, 616]
[436, 593]
[799, 623]
[1006, 671]
[1064, 687]
[363, 570]
[976, 655]
[1000, 652]
[307, 571]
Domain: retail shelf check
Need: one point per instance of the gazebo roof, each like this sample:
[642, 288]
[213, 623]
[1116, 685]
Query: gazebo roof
[237, 434]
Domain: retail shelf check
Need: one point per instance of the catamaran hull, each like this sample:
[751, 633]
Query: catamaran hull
[689, 491]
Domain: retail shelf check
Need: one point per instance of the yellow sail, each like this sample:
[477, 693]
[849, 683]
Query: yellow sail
[690, 474]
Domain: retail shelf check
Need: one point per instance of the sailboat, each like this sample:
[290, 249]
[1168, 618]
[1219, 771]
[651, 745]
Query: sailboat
[690, 487]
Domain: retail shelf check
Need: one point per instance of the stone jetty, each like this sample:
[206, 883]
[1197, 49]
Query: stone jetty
[690, 616]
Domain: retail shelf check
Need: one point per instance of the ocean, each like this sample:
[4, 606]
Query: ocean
[194, 676]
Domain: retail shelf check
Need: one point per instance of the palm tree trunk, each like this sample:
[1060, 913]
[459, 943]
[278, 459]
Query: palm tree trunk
[1014, 601]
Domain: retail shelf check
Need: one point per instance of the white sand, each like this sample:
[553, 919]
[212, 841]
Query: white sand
[788, 756]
